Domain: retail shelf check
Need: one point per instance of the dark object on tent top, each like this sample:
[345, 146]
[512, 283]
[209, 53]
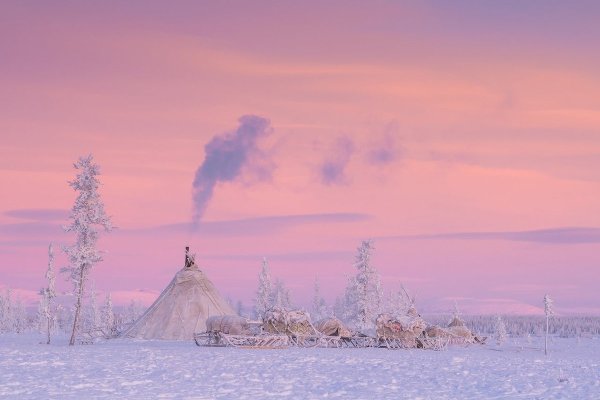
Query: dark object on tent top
[189, 260]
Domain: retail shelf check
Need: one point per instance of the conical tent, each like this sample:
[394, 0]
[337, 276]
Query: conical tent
[182, 308]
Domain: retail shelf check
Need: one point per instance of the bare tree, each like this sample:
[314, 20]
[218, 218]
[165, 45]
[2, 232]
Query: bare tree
[549, 311]
[48, 295]
[86, 215]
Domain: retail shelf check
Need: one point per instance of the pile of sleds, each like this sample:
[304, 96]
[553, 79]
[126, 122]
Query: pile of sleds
[280, 328]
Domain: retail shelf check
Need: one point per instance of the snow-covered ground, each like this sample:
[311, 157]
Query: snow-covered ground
[156, 369]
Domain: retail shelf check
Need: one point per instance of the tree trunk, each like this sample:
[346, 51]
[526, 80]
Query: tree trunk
[546, 338]
[77, 307]
[49, 318]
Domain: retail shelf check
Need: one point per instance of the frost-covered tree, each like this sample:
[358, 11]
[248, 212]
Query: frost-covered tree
[549, 311]
[94, 316]
[363, 293]
[3, 307]
[2, 312]
[390, 303]
[40, 317]
[339, 307]
[319, 307]
[6, 312]
[264, 295]
[456, 311]
[500, 331]
[398, 303]
[239, 308]
[19, 317]
[108, 317]
[134, 311]
[87, 215]
[281, 295]
[47, 303]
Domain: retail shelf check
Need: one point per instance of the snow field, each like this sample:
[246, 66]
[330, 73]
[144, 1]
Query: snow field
[160, 369]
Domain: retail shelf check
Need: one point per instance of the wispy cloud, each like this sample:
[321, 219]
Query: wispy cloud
[252, 226]
[32, 229]
[39, 214]
[23, 243]
[292, 256]
[567, 235]
[332, 170]
[470, 305]
[235, 227]
[530, 288]
[387, 150]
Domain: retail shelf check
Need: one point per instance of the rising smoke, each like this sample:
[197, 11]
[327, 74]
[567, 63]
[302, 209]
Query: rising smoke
[225, 157]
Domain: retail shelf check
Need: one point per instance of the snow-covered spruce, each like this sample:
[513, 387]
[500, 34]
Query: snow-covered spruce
[281, 296]
[87, 215]
[319, 308]
[108, 318]
[93, 320]
[13, 316]
[265, 289]
[363, 293]
[6, 312]
[500, 334]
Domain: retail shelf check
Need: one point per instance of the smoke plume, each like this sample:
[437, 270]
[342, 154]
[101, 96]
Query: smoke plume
[225, 157]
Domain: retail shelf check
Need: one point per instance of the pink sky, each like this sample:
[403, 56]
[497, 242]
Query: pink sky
[463, 137]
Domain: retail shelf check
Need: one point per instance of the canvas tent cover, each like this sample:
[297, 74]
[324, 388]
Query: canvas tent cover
[282, 321]
[406, 328]
[228, 324]
[332, 326]
[456, 331]
[457, 328]
[182, 308]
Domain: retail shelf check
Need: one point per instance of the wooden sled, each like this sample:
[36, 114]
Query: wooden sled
[319, 340]
[219, 339]
[360, 342]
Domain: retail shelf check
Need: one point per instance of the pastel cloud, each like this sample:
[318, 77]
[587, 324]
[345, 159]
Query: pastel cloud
[388, 150]
[498, 306]
[38, 214]
[333, 170]
[32, 229]
[574, 235]
[252, 226]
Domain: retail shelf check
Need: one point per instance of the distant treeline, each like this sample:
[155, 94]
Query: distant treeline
[520, 325]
